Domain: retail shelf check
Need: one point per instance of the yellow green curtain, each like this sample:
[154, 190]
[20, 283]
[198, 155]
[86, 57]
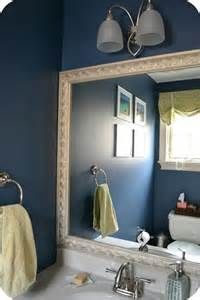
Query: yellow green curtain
[182, 103]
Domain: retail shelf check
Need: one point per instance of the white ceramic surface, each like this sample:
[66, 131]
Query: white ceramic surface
[54, 283]
[90, 295]
[102, 290]
[184, 228]
[97, 264]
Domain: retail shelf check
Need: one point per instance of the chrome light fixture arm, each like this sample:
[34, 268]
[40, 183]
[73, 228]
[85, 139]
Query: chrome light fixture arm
[131, 39]
[140, 11]
[124, 9]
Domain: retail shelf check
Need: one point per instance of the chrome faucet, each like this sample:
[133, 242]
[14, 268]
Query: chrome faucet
[125, 283]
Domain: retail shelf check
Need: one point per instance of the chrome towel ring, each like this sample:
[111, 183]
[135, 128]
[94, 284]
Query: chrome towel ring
[95, 170]
[5, 179]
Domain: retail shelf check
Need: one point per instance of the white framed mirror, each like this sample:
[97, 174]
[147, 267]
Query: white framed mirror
[161, 70]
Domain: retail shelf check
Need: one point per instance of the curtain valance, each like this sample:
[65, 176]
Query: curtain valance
[185, 103]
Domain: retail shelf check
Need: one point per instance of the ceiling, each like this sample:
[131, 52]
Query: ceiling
[177, 75]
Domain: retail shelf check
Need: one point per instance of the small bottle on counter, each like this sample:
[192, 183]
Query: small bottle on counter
[178, 284]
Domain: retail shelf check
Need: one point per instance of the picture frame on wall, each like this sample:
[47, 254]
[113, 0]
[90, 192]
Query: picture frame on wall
[140, 112]
[123, 141]
[139, 142]
[124, 104]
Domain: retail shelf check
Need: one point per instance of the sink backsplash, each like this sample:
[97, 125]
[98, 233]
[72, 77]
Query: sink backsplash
[97, 264]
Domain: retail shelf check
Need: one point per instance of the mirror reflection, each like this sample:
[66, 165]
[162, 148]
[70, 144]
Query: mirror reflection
[135, 162]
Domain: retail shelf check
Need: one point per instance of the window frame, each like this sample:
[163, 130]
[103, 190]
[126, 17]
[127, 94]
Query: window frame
[164, 161]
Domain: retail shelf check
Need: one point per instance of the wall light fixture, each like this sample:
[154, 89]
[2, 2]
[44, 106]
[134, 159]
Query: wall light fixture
[148, 31]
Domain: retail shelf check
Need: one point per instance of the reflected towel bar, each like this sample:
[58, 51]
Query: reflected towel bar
[5, 179]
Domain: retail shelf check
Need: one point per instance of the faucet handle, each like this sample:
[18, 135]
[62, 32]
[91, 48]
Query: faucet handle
[183, 253]
[110, 270]
[139, 286]
[145, 280]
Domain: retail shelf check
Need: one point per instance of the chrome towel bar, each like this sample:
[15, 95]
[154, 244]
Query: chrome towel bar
[5, 179]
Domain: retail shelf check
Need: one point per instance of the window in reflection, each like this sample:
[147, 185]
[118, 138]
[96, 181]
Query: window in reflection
[184, 139]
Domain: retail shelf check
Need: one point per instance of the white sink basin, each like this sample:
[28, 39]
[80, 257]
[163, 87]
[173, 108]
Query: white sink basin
[107, 296]
[102, 290]
[92, 295]
[59, 288]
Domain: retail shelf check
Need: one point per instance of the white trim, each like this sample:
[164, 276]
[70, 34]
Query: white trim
[162, 142]
[173, 166]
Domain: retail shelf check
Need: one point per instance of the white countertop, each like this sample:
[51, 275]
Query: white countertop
[54, 284]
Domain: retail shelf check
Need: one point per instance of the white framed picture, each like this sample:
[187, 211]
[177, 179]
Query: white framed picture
[140, 112]
[139, 142]
[123, 141]
[124, 104]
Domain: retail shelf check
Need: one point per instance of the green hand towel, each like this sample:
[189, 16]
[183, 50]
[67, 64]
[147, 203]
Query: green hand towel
[18, 261]
[104, 216]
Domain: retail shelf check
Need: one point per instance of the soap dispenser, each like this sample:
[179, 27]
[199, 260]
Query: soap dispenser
[178, 284]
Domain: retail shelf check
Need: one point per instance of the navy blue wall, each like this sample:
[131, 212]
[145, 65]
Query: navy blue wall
[92, 141]
[169, 184]
[30, 57]
[82, 18]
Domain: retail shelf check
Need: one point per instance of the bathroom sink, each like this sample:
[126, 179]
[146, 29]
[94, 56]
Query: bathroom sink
[59, 287]
[92, 295]
[102, 290]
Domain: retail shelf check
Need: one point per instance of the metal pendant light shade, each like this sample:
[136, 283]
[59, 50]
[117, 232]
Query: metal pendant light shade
[109, 38]
[150, 30]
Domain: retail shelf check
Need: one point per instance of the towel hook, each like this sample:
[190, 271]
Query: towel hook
[5, 179]
[95, 170]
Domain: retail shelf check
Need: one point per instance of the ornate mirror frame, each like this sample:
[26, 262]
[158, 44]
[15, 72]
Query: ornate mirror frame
[168, 62]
